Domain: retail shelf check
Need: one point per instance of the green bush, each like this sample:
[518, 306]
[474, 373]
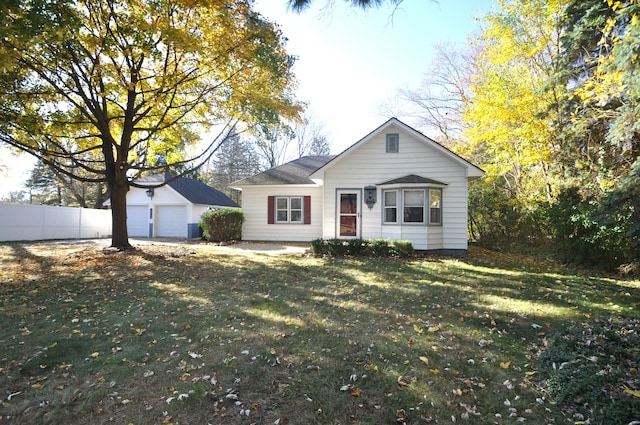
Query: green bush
[380, 248]
[221, 225]
[319, 247]
[603, 233]
[361, 247]
[587, 366]
[402, 249]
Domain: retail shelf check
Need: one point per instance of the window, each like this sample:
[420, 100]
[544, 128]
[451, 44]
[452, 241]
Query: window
[295, 206]
[390, 206]
[413, 203]
[435, 207]
[392, 143]
[288, 209]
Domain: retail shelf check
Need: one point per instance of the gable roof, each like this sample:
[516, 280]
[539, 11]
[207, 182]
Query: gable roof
[193, 191]
[472, 170]
[411, 178]
[294, 172]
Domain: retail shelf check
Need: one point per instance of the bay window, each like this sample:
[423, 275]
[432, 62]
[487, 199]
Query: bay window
[412, 206]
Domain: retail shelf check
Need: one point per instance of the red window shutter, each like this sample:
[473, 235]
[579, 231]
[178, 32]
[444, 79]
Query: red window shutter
[271, 209]
[307, 209]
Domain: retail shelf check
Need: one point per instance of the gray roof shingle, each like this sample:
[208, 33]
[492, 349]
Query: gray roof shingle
[193, 190]
[411, 178]
[294, 172]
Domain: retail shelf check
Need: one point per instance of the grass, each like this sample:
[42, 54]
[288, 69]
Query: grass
[168, 335]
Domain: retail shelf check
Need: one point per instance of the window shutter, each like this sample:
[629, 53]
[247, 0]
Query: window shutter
[307, 210]
[271, 207]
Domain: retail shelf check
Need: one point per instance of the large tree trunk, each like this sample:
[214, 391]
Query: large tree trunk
[119, 235]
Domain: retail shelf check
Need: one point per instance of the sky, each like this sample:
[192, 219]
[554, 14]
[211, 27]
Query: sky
[350, 62]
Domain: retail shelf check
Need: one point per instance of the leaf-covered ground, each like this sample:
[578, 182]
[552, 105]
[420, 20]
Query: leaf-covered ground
[191, 335]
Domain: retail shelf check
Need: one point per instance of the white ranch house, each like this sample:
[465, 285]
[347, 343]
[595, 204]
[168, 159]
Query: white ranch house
[395, 183]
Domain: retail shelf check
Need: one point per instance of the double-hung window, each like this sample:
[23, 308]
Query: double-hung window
[413, 205]
[435, 206]
[390, 206]
[289, 209]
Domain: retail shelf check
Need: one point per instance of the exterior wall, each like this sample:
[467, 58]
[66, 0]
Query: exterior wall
[255, 208]
[370, 164]
[162, 196]
[24, 222]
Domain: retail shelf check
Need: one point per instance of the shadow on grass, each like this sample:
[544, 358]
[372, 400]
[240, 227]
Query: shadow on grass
[171, 336]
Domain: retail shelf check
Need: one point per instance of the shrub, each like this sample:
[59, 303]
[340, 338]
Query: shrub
[602, 233]
[587, 366]
[361, 247]
[319, 247]
[402, 249]
[380, 248]
[221, 225]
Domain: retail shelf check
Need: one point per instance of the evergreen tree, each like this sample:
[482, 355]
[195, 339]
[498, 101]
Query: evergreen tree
[236, 159]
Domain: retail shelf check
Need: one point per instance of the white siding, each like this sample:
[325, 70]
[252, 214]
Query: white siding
[197, 211]
[369, 163]
[254, 208]
[168, 206]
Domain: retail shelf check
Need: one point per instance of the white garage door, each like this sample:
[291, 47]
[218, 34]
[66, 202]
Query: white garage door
[138, 220]
[172, 221]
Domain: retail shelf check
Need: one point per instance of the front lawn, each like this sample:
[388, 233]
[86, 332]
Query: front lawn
[196, 336]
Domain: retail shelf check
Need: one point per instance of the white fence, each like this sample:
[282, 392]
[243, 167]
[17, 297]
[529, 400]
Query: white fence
[24, 222]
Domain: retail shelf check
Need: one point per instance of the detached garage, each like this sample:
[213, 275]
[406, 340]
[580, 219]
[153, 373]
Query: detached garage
[172, 210]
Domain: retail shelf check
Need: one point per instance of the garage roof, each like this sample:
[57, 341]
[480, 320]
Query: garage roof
[194, 191]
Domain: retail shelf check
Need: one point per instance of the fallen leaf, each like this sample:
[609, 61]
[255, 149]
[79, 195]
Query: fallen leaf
[424, 360]
[356, 392]
[435, 371]
[505, 365]
[401, 416]
[634, 393]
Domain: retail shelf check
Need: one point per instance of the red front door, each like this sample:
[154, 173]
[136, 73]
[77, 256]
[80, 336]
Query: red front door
[348, 214]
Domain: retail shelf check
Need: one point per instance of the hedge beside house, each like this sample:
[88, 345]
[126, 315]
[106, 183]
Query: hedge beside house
[362, 247]
[222, 225]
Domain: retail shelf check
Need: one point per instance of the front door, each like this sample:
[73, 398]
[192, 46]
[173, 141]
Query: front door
[348, 214]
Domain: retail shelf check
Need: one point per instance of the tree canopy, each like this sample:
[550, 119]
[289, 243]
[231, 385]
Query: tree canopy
[546, 97]
[99, 89]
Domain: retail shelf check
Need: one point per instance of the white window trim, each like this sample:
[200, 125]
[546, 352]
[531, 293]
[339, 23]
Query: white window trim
[289, 210]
